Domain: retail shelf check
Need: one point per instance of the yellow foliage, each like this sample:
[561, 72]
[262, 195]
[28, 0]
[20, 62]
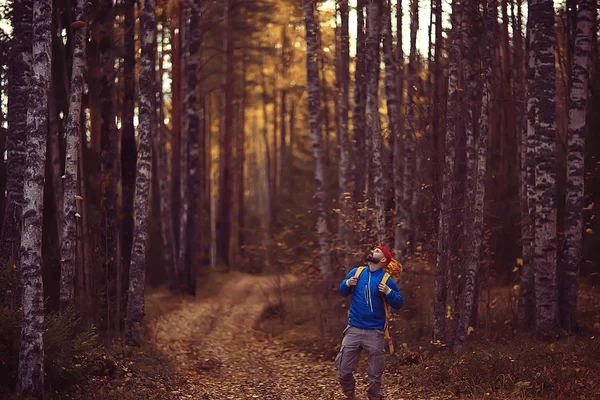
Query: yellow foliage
[520, 262]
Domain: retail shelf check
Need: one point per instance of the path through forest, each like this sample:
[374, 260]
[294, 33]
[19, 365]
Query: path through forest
[221, 356]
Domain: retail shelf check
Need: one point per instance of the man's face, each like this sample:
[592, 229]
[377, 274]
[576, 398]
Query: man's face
[375, 256]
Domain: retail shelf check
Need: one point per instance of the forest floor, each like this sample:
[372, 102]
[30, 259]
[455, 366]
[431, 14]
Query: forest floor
[227, 343]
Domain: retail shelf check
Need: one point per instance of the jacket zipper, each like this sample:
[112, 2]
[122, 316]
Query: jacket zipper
[369, 288]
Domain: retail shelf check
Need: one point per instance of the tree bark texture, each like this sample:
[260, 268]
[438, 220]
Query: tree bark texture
[359, 171]
[70, 216]
[526, 308]
[18, 93]
[394, 117]
[545, 246]
[438, 85]
[398, 142]
[314, 109]
[476, 168]
[137, 270]
[448, 182]
[373, 118]
[408, 181]
[31, 356]
[572, 252]
[344, 87]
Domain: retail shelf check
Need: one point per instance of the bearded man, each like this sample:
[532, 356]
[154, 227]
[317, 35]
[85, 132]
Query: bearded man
[366, 321]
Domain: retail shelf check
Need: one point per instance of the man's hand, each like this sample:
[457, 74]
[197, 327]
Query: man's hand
[352, 281]
[383, 288]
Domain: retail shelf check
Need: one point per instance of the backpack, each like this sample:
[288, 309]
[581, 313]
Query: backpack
[386, 307]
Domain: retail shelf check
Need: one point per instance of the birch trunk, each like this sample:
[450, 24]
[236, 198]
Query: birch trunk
[391, 91]
[68, 247]
[575, 163]
[314, 109]
[373, 118]
[526, 307]
[359, 171]
[18, 92]
[408, 180]
[545, 247]
[344, 86]
[399, 211]
[31, 357]
[137, 270]
[448, 183]
[520, 98]
[476, 168]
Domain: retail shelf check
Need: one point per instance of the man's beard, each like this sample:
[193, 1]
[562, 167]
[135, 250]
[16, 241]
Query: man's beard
[371, 258]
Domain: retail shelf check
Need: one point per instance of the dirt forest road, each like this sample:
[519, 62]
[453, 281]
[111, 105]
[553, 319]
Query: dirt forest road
[221, 356]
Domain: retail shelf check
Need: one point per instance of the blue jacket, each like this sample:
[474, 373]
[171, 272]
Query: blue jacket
[366, 307]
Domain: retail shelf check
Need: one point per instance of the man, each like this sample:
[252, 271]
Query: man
[366, 322]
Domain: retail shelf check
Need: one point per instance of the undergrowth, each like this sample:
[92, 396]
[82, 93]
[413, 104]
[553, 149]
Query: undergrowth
[69, 352]
[500, 361]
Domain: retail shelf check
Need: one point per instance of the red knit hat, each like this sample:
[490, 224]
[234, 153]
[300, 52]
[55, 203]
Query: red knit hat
[386, 253]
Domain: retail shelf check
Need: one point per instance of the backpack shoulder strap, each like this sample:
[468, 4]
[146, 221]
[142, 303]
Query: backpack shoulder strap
[359, 271]
[385, 278]
[386, 309]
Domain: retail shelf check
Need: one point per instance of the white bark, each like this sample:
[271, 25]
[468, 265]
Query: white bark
[314, 108]
[31, 356]
[68, 247]
[137, 269]
[575, 162]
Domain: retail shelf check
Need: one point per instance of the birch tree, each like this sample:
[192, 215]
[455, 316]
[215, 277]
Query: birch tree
[408, 180]
[477, 171]
[18, 92]
[373, 118]
[545, 273]
[448, 182]
[526, 308]
[398, 144]
[359, 170]
[391, 92]
[31, 356]
[68, 245]
[344, 86]
[314, 110]
[575, 162]
[137, 270]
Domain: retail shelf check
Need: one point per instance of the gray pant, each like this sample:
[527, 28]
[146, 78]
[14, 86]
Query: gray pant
[373, 342]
